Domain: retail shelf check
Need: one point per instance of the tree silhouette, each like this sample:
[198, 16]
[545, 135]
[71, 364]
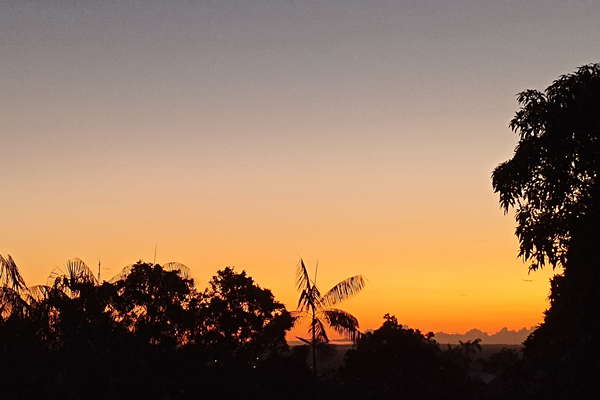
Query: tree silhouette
[147, 333]
[13, 290]
[9, 274]
[394, 360]
[553, 183]
[552, 179]
[152, 303]
[319, 309]
[242, 322]
[71, 277]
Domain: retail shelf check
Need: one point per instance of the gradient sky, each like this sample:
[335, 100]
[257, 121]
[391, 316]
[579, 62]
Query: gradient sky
[361, 134]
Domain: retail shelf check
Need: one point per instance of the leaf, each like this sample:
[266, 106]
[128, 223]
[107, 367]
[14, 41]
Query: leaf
[342, 322]
[343, 290]
[11, 302]
[9, 274]
[38, 293]
[69, 278]
[302, 277]
[320, 332]
[181, 269]
[308, 342]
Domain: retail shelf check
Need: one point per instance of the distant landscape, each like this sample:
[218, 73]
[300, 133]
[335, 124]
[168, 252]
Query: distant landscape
[503, 336]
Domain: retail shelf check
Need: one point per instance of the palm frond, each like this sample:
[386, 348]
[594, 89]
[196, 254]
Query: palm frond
[181, 269]
[78, 271]
[11, 302]
[69, 279]
[303, 301]
[302, 277]
[75, 271]
[316, 294]
[39, 293]
[320, 332]
[9, 274]
[342, 322]
[308, 342]
[309, 298]
[343, 290]
[122, 274]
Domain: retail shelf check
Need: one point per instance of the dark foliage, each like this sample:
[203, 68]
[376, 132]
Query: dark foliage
[552, 179]
[394, 360]
[149, 334]
[239, 319]
[553, 182]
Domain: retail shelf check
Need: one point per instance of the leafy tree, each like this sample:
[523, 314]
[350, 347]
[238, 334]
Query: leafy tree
[147, 333]
[553, 183]
[241, 319]
[319, 309]
[552, 179]
[152, 303]
[394, 360]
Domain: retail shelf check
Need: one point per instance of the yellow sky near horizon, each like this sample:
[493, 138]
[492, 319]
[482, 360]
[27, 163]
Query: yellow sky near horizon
[430, 276]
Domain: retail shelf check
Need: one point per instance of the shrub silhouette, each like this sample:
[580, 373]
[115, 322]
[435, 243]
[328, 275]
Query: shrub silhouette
[394, 360]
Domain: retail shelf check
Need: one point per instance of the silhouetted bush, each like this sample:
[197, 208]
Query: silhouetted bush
[394, 361]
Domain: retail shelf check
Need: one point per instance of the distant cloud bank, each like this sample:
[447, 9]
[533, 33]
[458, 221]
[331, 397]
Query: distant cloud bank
[503, 336]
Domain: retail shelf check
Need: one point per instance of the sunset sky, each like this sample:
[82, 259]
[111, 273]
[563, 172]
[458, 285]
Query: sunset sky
[359, 134]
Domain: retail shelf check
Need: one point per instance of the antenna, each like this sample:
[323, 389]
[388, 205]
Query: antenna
[155, 246]
[98, 271]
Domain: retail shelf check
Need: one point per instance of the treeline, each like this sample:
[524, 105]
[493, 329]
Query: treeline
[148, 333]
[151, 333]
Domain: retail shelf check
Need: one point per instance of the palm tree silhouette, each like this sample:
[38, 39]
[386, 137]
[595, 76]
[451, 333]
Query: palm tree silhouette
[12, 289]
[69, 278]
[9, 274]
[319, 308]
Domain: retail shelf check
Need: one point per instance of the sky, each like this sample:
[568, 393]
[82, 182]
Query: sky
[359, 135]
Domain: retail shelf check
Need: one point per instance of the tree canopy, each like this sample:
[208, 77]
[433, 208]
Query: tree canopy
[552, 180]
[394, 359]
[553, 183]
[243, 319]
[148, 332]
